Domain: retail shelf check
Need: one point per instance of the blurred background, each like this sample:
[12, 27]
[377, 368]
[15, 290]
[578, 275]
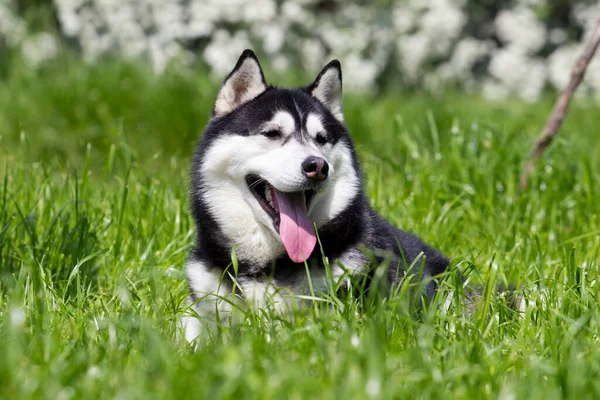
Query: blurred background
[501, 48]
[103, 101]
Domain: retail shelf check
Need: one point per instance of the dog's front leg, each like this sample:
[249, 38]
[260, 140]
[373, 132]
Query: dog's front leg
[210, 300]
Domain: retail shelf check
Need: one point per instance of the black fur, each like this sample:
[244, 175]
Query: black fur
[357, 225]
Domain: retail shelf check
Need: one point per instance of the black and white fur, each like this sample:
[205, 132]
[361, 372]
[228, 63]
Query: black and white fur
[239, 141]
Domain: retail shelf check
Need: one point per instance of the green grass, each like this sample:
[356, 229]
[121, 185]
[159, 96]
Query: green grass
[95, 227]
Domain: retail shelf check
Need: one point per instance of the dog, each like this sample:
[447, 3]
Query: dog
[276, 183]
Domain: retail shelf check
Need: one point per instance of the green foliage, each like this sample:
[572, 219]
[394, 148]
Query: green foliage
[94, 231]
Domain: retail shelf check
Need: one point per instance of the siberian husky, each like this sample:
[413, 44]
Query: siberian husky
[275, 179]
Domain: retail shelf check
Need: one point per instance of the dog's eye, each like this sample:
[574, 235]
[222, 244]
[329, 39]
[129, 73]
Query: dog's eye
[321, 139]
[273, 134]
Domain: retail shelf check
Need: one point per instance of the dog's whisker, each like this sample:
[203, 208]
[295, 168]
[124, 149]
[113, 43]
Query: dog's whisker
[257, 182]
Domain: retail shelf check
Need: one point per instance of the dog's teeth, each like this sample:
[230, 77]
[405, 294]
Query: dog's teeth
[268, 196]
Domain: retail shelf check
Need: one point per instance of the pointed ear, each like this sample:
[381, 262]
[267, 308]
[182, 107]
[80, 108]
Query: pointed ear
[327, 88]
[243, 84]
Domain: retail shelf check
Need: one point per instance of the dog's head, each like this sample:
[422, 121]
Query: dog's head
[276, 161]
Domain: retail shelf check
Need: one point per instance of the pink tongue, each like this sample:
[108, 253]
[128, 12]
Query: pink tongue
[295, 229]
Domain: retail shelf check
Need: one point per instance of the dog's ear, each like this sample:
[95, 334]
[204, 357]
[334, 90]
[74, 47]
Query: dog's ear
[243, 84]
[327, 88]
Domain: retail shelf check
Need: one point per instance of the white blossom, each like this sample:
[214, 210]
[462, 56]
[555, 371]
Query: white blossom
[313, 54]
[223, 51]
[518, 73]
[466, 53]
[272, 36]
[494, 90]
[442, 24]
[403, 19]
[11, 27]
[520, 29]
[359, 73]
[587, 14]
[557, 36]
[428, 43]
[39, 48]
[413, 52]
[280, 62]
[560, 63]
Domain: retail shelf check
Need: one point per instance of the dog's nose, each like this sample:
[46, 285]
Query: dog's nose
[315, 168]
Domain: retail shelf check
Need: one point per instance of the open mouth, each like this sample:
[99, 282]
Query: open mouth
[266, 196]
[288, 210]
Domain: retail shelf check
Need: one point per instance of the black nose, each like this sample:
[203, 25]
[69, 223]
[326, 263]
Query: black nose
[315, 168]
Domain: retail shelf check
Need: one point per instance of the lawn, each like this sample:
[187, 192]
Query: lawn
[95, 228]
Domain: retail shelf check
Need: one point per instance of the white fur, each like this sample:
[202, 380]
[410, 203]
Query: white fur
[342, 186]
[281, 165]
[282, 121]
[231, 158]
[353, 260]
[263, 294]
[230, 201]
[208, 287]
[206, 284]
[313, 125]
[341, 189]
[329, 92]
[242, 86]
[191, 327]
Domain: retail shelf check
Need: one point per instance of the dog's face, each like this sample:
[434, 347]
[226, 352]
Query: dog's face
[277, 160]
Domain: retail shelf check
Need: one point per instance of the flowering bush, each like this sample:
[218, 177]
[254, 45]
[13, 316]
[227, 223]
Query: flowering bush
[504, 48]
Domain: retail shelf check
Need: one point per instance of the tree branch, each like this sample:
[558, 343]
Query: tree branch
[560, 108]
